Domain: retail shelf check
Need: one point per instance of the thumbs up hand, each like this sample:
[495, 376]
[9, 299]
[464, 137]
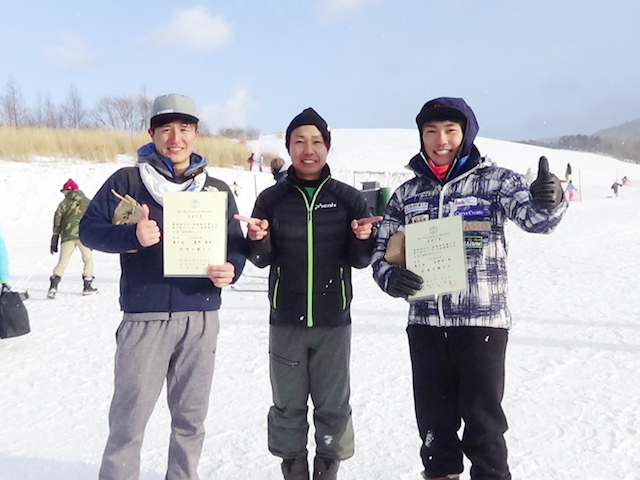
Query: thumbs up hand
[546, 190]
[147, 231]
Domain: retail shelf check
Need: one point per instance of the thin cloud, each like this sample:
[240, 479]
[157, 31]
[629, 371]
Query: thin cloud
[195, 28]
[234, 112]
[70, 51]
[331, 10]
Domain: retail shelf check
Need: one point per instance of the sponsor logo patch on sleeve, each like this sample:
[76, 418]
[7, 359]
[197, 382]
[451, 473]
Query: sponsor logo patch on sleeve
[476, 226]
[470, 212]
[473, 242]
[416, 207]
[466, 202]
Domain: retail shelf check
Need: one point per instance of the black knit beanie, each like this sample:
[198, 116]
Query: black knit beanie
[309, 117]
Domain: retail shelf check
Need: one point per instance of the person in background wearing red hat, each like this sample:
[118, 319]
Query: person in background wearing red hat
[458, 341]
[66, 223]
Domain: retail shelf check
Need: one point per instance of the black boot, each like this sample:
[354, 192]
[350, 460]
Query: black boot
[453, 476]
[325, 468]
[295, 469]
[53, 288]
[88, 289]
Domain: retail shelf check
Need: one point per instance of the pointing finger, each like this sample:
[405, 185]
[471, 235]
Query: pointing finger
[249, 220]
[367, 220]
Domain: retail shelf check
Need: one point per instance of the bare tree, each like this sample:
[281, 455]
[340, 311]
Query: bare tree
[73, 111]
[45, 113]
[144, 103]
[52, 117]
[14, 112]
[37, 112]
[121, 113]
[104, 113]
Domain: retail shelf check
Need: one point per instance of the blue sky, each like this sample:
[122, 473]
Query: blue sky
[531, 69]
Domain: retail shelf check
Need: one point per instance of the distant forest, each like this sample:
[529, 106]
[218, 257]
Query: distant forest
[626, 150]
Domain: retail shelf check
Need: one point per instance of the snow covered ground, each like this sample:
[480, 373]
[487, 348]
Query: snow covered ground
[573, 371]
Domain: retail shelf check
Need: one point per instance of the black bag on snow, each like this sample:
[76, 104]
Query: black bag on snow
[14, 319]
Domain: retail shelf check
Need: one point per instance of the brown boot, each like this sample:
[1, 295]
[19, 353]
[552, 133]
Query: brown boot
[295, 469]
[325, 468]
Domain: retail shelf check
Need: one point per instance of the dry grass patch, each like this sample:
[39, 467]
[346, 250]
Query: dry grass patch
[223, 152]
[23, 144]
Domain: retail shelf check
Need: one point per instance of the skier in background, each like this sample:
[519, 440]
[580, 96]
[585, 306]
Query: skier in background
[571, 190]
[615, 187]
[66, 223]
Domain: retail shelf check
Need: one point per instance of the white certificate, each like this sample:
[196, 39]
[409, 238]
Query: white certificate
[194, 232]
[435, 251]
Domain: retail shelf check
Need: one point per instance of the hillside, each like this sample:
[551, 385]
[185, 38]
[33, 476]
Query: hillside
[628, 130]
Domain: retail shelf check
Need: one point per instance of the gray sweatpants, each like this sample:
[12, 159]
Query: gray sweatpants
[310, 361]
[151, 347]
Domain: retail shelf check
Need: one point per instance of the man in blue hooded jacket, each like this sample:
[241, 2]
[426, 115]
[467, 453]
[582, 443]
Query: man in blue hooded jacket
[170, 325]
[458, 341]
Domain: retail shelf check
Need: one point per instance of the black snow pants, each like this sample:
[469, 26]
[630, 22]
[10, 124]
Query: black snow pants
[458, 375]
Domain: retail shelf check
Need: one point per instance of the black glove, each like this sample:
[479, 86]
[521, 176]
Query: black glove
[403, 282]
[54, 243]
[546, 190]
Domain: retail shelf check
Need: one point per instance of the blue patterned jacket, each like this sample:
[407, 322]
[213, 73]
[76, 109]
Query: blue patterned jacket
[487, 196]
[493, 195]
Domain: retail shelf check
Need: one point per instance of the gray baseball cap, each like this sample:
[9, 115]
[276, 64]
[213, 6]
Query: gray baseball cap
[167, 108]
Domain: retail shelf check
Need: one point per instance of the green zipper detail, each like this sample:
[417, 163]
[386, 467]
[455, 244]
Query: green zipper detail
[310, 247]
[274, 301]
[344, 289]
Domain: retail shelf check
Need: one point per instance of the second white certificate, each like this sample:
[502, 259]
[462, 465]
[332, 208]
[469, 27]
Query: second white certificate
[435, 251]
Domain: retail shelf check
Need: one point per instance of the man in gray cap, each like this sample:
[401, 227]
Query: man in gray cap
[170, 325]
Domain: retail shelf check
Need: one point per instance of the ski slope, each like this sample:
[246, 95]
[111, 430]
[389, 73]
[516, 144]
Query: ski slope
[573, 360]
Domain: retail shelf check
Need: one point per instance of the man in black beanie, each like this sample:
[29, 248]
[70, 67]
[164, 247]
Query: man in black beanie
[310, 229]
[309, 117]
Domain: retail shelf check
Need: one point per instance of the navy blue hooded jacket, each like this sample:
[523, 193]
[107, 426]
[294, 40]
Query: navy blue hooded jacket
[143, 287]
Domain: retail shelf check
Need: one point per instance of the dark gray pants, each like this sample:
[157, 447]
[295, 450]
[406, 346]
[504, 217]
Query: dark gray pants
[180, 349]
[310, 361]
